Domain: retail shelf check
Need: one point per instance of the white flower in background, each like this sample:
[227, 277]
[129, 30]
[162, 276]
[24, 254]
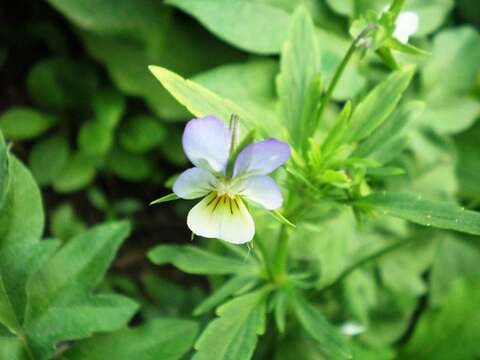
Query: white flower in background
[405, 26]
[352, 328]
[222, 214]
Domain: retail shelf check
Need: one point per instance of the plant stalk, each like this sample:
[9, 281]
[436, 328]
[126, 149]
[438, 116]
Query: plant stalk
[338, 74]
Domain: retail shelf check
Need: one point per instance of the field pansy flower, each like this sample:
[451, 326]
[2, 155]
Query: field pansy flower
[222, 213]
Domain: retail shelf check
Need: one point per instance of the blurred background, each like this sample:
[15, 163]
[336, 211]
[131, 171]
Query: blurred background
[102, 136]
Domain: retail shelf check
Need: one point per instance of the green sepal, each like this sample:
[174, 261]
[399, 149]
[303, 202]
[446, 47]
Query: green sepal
[166, 198]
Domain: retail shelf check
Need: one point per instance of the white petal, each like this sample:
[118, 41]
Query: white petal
[262, 190]
[206, 143]
[405, 26]
[223, 218]
[194, 183]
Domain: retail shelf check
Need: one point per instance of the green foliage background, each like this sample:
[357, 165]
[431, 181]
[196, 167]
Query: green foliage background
[89, 136]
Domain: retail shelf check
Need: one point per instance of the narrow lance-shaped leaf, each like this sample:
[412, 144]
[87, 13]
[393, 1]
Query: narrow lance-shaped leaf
[414, 208]
[199, 100]
[378, 104]
[193, 260]
[313, 321]
[299, 63]
[229, 288]
[391, 129]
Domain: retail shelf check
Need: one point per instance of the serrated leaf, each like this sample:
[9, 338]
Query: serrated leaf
[4, 170]
[313, 321]
[233, 335]
[166, 339]
[414, 208]
[299, 63]
[62, 300]
[379, 104]
[194, 260]
[22, 123]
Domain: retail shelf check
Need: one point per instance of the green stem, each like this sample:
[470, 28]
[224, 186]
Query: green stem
[338, 74]
[266, 259]
[281, 255]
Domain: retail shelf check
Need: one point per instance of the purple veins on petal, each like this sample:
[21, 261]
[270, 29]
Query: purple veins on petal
[194, 183]
[206, 142]
[261, 158]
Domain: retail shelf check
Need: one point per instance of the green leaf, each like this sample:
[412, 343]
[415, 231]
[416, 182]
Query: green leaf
[453, 65]
[59, 83]
[4, 169]
[313, 321]
[413, 208]
[59, 294]
[166, 198]
[166, 339]
[336, 135]
[101, 16]
[299, 64]
[454, 258]
[440, 111]
[251, 85]
[12, 348]
[199, 100]
[21, 216]
[109, 107]
[451, 331]
[95, 138]
[128, 166]
[23, 123]
[172, 42]
[78, 173]
[65, 223]
[142, 133]
[193, 260]
[379, 104]
[48, 158]
[234, 334]
[233, 285]
[390, 130]
[249, 18]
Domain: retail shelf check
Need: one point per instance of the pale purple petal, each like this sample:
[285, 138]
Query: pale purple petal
[206, 143]
[261, 158]
[194, 183]
[261, 190]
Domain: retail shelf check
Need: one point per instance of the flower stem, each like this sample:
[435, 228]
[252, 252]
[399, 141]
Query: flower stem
[281, 255]
[338, 74]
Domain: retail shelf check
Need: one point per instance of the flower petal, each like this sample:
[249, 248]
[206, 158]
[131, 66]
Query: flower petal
[206, 142]
[261, 190]
[194, 183]
[261, 158]
[223, 218]
[405, 26]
